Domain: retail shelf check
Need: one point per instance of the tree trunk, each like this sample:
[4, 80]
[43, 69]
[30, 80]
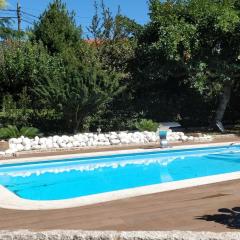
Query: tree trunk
[224, 100]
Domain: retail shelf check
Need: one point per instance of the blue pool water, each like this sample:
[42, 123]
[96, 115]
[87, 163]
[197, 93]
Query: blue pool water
[69, 178]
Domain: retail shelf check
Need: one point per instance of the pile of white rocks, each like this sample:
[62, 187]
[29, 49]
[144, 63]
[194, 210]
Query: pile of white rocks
[180, 136]
[94, 140]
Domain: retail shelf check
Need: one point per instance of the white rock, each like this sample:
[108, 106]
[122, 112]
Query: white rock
[85, 139]
[115, 141]
[55, 145]
[107, 143]
[13, 140]
[19, 147]
[69, 145]
[76, 144]
[10, 151]
[113, 133]
[48, 141]
[77, 138]
[36, 138]
[18, 140]
[65, 138]
[146, 140]
[177, 137]
[123, 135]
[42, 141]
[83, 144]
[89, 143]
[27, 147]
[49, 145]
[2, 153]
[34, 143]
[43, 146]
[55, 138]
[63, 145]
[113, 136]
[95, 138]
[125, 141]
[35, 147]
[12, 146]
[184, 138]
[26, 141]
[59, 141]
[101, 137]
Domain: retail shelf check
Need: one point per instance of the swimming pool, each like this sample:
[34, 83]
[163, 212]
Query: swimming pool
[86, 176]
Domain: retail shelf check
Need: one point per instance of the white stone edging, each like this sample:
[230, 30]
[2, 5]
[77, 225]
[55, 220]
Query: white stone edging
[83, 140]
[114, 235]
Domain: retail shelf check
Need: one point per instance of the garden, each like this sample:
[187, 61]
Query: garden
[183, 65]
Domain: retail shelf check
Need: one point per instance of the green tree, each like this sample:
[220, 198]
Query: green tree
[87, 86]
[79, 97]
[191, 43]
[159, 69]
[23, 63]
[215, 62]
[21, 66]
[114, 39]
[58, 32]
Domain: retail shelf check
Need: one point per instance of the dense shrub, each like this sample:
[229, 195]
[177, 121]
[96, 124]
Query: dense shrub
[14, 132]
[147, 125]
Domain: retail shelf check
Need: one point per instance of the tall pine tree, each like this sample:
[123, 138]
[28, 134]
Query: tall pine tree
[86, 87]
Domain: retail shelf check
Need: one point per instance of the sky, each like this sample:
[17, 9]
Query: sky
[135, 9]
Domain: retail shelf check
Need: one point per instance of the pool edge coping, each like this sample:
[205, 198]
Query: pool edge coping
[9, 200]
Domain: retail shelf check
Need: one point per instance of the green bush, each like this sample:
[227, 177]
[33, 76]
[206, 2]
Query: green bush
[14, 132]
[147, 125]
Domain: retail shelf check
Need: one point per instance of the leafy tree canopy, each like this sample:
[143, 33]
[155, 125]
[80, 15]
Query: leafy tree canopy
[56, 28]
[87, 85]
[195, 39]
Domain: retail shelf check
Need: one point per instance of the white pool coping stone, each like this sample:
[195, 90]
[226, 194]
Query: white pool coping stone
[113, 235]
[9, 200]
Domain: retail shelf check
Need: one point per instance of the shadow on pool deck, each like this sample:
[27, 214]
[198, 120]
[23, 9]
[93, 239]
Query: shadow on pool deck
[226, 216]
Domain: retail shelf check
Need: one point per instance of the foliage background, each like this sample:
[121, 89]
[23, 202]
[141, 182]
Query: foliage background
[174, 68]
